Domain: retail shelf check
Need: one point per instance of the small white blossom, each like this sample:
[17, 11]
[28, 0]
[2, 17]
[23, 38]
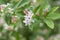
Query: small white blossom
[7, 27]
[2, 21]
[8, 4]
[28, 18]
[34, 1]
[10, 10]
[41, 24]
[2, 6]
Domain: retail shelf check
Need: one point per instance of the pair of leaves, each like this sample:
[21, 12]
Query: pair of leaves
[52, 10]
[49, 22]
[52, 16]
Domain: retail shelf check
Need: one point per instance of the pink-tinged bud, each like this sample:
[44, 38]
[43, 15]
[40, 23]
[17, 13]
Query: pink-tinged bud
[13, 19]
[2, 7]
[44, 14]
[37, 14]
[2, 21]
[26, 11]
[40, 38]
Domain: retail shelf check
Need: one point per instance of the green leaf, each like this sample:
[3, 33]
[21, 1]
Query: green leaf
[24, 3]
[18, 4]
[53, 10]
[37, 8]
[49, 23]
[54, 16]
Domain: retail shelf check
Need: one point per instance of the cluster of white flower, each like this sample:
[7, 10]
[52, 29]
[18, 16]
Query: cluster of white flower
[4, 24]
[28, 17]
[2, 21]
[3, 6]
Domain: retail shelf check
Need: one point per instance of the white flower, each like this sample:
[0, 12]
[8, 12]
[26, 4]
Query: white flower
[28, 18]
[34, 1]
[2, 21]
[7, 27]
[10, 10]
[8, 4]
[2, 6]
[41, 24]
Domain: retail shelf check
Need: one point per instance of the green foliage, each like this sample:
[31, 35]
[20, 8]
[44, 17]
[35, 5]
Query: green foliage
[42, 16]
[54, 16]
[49, 22]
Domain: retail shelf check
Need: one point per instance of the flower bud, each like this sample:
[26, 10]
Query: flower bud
[13, 19]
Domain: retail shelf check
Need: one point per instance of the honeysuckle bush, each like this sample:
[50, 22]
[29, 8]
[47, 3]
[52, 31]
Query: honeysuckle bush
[28, 20]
